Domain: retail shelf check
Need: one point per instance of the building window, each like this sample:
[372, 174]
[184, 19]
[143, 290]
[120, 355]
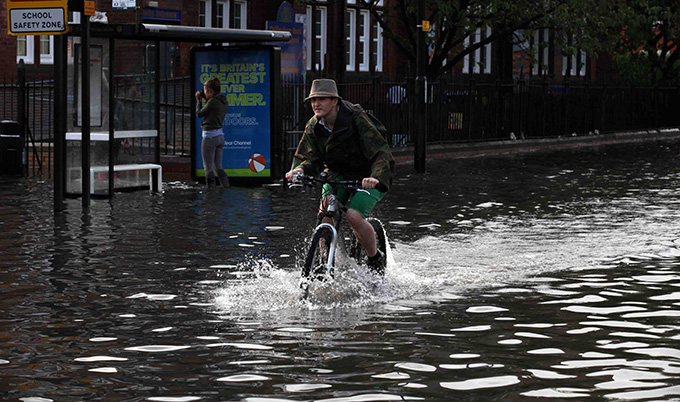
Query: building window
[316, 47]
[540, 52]
[204, 13]
[351, 37]
[46, 49]
[25, 49]
[364, 39]
[222, 14]
[377, 51]
[240, 21]
[479, 61]
[574, 65]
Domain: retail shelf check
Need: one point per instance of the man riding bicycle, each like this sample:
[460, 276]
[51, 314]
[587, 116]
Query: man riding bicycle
[342, 139]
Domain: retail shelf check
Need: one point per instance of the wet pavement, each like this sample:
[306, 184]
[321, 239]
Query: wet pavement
[544, 276]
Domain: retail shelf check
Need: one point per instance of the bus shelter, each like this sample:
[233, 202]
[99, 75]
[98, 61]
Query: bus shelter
[114, 144]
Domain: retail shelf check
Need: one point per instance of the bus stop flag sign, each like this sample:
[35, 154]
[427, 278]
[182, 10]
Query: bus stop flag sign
[36, 17]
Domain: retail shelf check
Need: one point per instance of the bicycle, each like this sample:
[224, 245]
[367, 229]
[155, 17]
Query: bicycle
[320, 259]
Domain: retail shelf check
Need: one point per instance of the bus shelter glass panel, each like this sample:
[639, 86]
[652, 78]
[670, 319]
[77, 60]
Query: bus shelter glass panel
[131, 114]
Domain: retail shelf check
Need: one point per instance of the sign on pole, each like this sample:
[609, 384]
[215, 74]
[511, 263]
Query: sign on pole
[36, 17]
[124, 4]
[88, 6]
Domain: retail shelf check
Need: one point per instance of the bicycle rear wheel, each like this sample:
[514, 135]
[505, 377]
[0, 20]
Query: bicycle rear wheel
[317, 256]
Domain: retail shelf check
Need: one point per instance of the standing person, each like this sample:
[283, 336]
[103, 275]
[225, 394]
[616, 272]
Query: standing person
[343, 140]
[397, 95]
[213, 137]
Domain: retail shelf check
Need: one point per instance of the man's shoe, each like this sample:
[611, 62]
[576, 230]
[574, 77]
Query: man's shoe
[210, 182]
[376, 264]
[224, 181]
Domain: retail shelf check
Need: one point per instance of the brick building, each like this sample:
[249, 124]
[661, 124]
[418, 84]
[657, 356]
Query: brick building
[342, 41]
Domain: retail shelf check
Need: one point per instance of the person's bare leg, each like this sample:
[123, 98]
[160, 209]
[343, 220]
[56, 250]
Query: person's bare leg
[363, 231]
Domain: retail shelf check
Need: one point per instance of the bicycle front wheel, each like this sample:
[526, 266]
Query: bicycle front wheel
[317, 256]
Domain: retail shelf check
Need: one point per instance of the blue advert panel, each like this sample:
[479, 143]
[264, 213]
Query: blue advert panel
[245, 76]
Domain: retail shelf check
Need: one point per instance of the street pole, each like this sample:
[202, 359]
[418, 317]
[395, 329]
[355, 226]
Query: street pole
[85, 106]
[420, 151]
[59, 120]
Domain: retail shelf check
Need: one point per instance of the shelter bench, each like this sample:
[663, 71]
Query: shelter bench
[155, 182]
[135, 146]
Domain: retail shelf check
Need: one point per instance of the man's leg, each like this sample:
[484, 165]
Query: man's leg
[363, 231]
[358, 209]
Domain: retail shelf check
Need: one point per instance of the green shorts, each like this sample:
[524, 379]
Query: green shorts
[363, 201]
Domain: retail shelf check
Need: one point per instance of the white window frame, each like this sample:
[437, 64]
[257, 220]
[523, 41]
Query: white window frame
[224, 16]
[575, 70]
[47, 58]
[30, 49]
[378, 42]
[207, 15]
[541, 52]
[466, 59]
[242, 7]
[475, 60]
[351, 39]
[487, 49]
[581, 72]
[311, 37]
[364, 40]
[476, 68]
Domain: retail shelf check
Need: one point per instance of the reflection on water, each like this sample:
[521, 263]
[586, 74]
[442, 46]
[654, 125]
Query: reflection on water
[552, 276]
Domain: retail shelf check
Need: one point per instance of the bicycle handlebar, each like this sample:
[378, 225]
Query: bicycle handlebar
[306, 180]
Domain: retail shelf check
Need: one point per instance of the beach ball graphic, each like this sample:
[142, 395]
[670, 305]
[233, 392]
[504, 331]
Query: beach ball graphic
[257, 163]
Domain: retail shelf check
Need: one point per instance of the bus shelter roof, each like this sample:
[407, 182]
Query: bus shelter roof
[180, 33]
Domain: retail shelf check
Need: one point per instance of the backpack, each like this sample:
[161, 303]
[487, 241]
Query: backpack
[356, 108]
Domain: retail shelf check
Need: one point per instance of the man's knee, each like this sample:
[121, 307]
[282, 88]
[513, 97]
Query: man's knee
[354, 217]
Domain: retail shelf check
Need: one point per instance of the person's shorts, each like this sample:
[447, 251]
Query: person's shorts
[363, 201]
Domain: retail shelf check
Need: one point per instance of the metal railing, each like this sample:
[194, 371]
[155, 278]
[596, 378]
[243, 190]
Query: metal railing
[455, 112]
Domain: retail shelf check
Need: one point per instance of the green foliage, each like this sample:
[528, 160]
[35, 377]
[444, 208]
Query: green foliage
[646, 47]
[452, 21]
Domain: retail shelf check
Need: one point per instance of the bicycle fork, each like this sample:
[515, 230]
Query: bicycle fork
[331, 247]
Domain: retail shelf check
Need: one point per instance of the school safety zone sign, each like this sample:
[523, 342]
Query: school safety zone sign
[36, 17]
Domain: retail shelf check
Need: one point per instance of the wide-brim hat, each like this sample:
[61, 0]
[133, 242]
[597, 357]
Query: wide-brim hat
[323, 88]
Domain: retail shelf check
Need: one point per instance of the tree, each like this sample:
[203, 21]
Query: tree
[454, 21]
[647, 38]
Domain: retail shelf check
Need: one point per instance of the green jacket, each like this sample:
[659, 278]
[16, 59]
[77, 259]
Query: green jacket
[356, 149]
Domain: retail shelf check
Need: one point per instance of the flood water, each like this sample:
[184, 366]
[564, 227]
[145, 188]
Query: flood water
[552, 276]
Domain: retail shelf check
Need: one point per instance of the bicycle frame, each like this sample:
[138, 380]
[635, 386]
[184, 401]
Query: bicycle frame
[332, 211]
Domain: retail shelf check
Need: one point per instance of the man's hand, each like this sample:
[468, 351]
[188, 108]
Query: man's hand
[290, 174]
[369, 183]
[198, 95]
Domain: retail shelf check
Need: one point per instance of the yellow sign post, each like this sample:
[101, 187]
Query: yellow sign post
[36, 17]
[426, 26]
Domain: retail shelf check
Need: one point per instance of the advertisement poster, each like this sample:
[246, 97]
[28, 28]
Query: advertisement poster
[245, 77]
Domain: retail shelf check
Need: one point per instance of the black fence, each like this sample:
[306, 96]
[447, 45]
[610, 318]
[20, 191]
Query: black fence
[456, 112]
[36, 97]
